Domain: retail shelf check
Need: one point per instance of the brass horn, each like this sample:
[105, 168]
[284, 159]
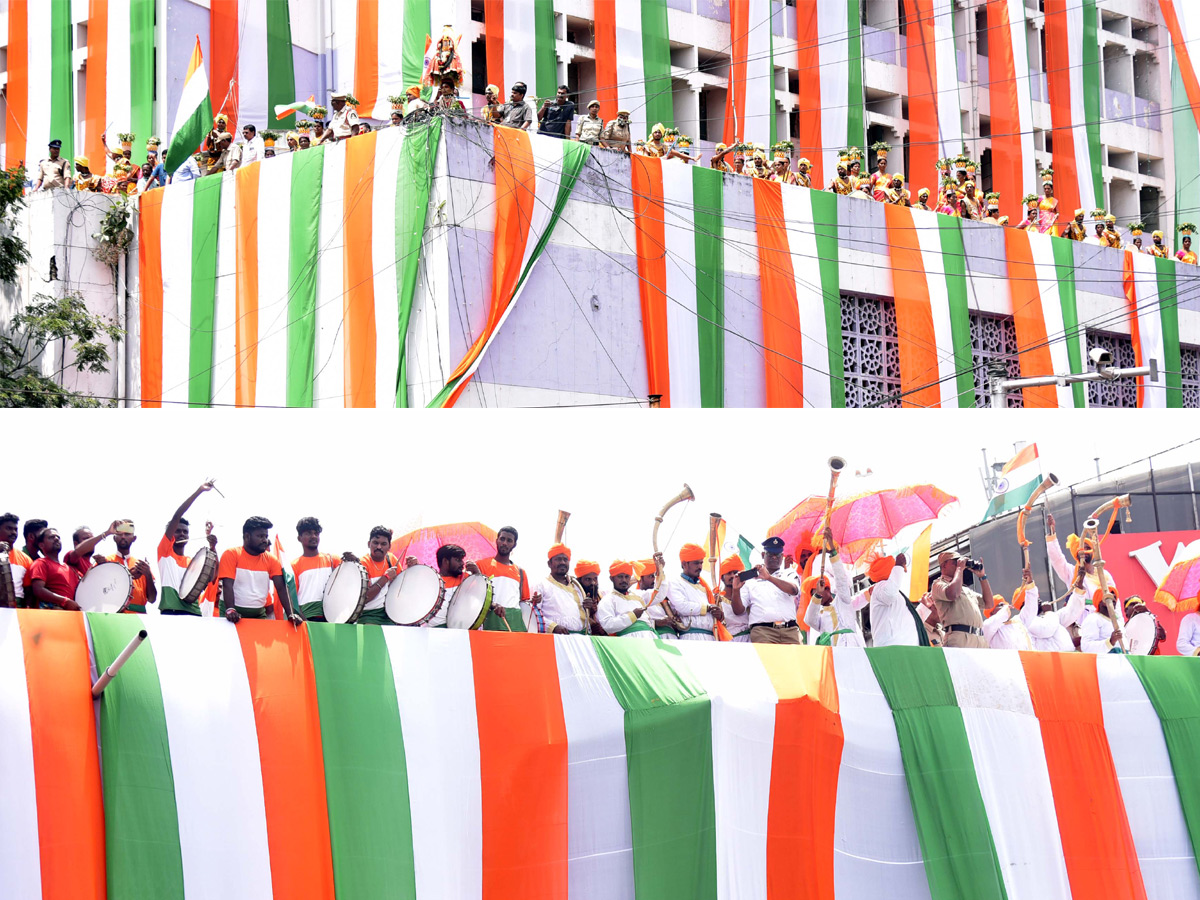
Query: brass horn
[836, 464]
[563, 515]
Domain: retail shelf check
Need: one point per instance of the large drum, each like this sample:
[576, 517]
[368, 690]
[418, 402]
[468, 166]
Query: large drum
[106, 587]
[198, 576]
[8, 589]
[345, 593]
[414, 596]
[470, 604]
[532, 616]
[1139, 634]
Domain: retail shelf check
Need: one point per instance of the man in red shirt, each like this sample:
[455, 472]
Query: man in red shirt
[52, 583]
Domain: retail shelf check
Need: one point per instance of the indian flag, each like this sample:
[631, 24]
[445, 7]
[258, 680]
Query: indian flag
[194, 115]
[1018, 479]
[283, 110]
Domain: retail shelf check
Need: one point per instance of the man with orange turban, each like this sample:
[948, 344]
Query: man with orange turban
[770, 599]
[622, 611]
[647, 572]
[587, 573]
[1004, 628]
[1047, 626]
[892, 622]
[960, 609]
[1101, 630]
[560, 596]
[1081, 551]
[690, 597]
[829, 610]
[738, 624]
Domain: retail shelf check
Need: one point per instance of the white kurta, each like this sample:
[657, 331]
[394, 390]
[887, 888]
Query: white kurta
[1048, 630]
[690, 602]
[1005, 630]
[562, 605]
[1094, 634]
[1188, 643]
[615, 613]
[839, 613]
[891, 622]
[766, 604]
[739, 626]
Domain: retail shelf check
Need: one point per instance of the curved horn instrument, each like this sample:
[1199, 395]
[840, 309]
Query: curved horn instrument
[1047, 483]
[714, 522]
[836, 464]
[563, 515]
[1091, 530]
[685, 494]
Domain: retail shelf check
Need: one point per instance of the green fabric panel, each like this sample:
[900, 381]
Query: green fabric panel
[169, 599]
[493, 622]
[303, 233]
[417, 25]
[708, 215]
[206, 209]
[744, 549]
[191, 134]
[656, 64]
[856, 134]
[771, 48]
[952, 825]
[366, 779]
[1091, 98]
[62, 79]
[545, 60]
[1173, 686]
[141, 74]
[1187, 154]
[418, 156]
[668, 732]
[825, 224]
[1064, 268]
[1168, 310]
[954, 261]
[281, 74]
[141, 824]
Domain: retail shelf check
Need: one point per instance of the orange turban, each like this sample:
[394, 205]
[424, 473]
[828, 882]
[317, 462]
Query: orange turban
[1019, 597]
[691, 553]
[807, 585]
[803, 542]
[732, 564]
[643, 567]
[997, 599]
[586, 567]
[620, 567]
[881, 568]
[557, 549]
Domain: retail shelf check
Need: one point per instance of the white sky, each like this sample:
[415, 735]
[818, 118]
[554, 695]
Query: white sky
[612, 469]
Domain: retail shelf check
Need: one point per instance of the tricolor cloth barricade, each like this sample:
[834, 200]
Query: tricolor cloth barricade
[263, 760]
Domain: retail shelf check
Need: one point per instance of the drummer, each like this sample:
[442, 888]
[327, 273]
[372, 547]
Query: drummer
[510, 584]
[312, 569]
[451, 563]
[172, 563]
[144, 589]
[622, 611]
[1135, 606]
[18, 560]
[52, 583]
[382, 568]
[247, 572]
[561, 596]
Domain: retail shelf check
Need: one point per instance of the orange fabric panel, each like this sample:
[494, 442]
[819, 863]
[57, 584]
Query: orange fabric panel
[95, 96]
[735, 96]
[1191, 86]
[16, 93]
[246, 331]
[493, 43]
[914, 314]
[358, 296]
[1097, 844]
[1135, 331]
[150, 305]
[522, 740]
[223, 31]
[288, 724]
[924, 146]
[1058, 84]
[1028, 319]
[649, 218]
[1007, 161]
[808, 62]
[605, 14]
[366, 54]
[782, 353]
[804, 771]
[66, 755]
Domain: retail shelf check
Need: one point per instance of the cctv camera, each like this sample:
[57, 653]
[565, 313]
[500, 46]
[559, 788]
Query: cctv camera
[1100, 357]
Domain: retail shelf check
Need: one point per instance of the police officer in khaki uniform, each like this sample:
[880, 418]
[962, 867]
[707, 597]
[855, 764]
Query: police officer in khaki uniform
[344, 121]
[52, 172]
[958, 607]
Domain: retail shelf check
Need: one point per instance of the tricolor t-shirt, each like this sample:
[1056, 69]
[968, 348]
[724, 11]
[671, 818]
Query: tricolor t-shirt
[20, 564]
[312, 574]
[139, 595]
[508, 587]
[375, 571]
[450, 583]
[251, 576]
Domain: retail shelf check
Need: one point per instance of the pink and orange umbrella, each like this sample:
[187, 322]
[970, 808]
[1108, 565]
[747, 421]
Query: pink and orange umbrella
[1180, 590]
[800, 524]
[881, 515]
[476, 538]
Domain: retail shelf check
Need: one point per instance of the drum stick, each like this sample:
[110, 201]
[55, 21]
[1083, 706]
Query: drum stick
[110, 673]
[213, 482]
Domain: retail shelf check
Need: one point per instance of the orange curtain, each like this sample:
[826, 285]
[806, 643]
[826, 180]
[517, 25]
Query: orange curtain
[914, 313]
[649, 218]
[780, 310]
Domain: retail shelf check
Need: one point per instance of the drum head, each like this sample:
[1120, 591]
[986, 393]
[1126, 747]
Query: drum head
[196, 577]
[344, 593]
[1139, 633]
[532, 616]
[414, 597]
[8, 591]
[104, 588]
[470, 603]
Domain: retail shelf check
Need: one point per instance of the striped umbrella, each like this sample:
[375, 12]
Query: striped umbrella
[1180, 590]
[476, 538]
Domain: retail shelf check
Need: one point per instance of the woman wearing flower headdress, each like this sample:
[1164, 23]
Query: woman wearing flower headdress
[1187, 254]
[882, 149]
[1048, 206]
[1030, 222]
[1136, 229]
[949, 204]
[968, 204]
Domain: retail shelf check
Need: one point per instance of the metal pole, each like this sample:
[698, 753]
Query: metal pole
[1096, 459]
[996, 391]
[1192, 487]
[108, 674]
[1154, 494]
[985, 474]
[1074, 514]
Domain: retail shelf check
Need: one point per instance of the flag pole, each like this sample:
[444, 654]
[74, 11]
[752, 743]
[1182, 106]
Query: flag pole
[111, 672]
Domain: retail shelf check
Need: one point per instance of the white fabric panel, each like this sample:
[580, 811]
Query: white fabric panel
[1083, 159]
[252, 63]
[806, 269]
[1010, 766]
[390, 55]
[1020, 47]
[600, 848]
[1139, 753]
[118, 75]
[344, 19]
[224, 380]
[176, 289]
[213, 801]
[388, 144]
[743, 702]
[1150, 330]
[37, 115]
[520, 45]
[274, 236]
[435, 689]
[760, 74]
[949, 106]
[876, 851]
[832, 27]
[929, 238]
[20, 852]
[631, 71]
[1047, 276]
[329, 386]
[683, 336]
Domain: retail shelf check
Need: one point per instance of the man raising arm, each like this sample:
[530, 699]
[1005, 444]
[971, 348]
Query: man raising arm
[172, 563]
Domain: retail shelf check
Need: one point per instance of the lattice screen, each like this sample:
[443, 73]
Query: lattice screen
[1123, 392]
[871, 347]
[994, 337]
[1190, 357]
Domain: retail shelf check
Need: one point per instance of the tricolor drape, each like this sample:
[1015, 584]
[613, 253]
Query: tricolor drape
[1014, 167]
[381, 49]
[519, 36]
[364, 761]
[120, 66]
[40, 92]
[637, 75]
[1185, 115]
[934, 105]
[750, 100]
[1073, 83]
[250, 53]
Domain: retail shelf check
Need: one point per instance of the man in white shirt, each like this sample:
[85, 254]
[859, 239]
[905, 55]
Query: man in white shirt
[561, 596]
[892, 624]
[254, 149]
[1004, 629]
[1188, 642]
[1065, 570]
[691, 597]
[770, 599]
[1048, 627]
[622, 611]
[647, 572]
[830, 613]
[343, 122]
[738, 624]
[1098, 633]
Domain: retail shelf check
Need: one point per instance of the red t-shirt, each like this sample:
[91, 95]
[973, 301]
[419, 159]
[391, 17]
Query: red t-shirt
[58, 577]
